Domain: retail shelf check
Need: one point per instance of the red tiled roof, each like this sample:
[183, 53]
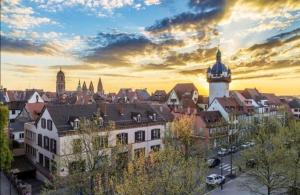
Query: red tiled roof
[34, 109]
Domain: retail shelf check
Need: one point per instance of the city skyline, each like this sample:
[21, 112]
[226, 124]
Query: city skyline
[119, 42]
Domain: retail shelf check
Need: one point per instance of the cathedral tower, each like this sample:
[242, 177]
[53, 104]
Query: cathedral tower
[219, 77]
[60, 82]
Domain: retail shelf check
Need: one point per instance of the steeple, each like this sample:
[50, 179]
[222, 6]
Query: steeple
[79, 86]
[218, 55]
[100, 87]
[84, 88]
[91, 87]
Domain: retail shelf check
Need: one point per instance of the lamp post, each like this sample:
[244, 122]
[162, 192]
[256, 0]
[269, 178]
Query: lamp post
[221, 171]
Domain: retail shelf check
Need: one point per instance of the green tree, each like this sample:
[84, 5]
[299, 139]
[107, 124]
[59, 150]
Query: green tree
[5, 153]
[269, 154]
[290, 137]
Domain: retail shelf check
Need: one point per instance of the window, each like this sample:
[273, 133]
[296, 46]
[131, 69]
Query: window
[140, 136]
[155, 134]
[47, 163]
[155, 148]
[40, 140]
[13, 112]
[76, 146]
[43, 123]
[46, 142]
[140, 152]
[100, 142]
[21, 135]
[53, 146]
[122, 138]
[49, 125]
[41, 159]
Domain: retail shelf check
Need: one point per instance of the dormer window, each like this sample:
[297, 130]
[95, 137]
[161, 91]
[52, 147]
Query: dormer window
[100, 121]
[139, 118]
[154, 117]
[76, 124]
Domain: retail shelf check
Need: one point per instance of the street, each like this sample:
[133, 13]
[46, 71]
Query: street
[5, 187]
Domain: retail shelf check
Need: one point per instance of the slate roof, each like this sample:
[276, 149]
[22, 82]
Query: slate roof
[122, 113]
[17, 125]
[16, 105]
[164, 111]
[62, 113]
[295, 103]
[142, 94]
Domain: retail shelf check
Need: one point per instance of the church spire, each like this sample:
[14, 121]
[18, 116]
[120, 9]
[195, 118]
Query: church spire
[100, 87]
[84, 88]
[91, 87]
[79, 86]
[218, 55]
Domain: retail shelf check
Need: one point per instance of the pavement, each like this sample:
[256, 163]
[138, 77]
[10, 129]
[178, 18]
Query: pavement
[6, 188]
[234, 187]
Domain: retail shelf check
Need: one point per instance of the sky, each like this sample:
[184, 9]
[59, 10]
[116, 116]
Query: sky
[151, 44]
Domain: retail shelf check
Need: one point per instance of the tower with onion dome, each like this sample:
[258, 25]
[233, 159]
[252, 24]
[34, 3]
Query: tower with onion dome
[218, 77]
[60, 82]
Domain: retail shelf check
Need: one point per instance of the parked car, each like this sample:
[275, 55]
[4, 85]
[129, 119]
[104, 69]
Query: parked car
[251, 163]
[213, 162]
[223, 152]
[232, 149]
[245, 145]
[252, 143]
[215, 179]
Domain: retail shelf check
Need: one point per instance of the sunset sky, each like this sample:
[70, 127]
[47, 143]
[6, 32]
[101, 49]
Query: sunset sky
[151, 44]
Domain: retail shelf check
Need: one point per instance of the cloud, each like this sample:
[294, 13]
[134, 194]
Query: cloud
[194, 71]
[122, 49]
[17, 16]
[74, 67]
[27, 47]
[254, 77]
[21, 68]
[121, 75]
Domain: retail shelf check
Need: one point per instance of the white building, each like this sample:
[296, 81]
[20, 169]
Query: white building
[219, 77]
[295, 107]
[50, 140]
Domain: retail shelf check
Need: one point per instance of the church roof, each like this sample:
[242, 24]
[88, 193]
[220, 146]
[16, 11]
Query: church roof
[218, 68]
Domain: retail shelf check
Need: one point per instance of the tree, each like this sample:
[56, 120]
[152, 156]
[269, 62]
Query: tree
[87, 159]
[290, 136]
[182, 129]
[5, 153]
[268, 155]
[163, 172]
